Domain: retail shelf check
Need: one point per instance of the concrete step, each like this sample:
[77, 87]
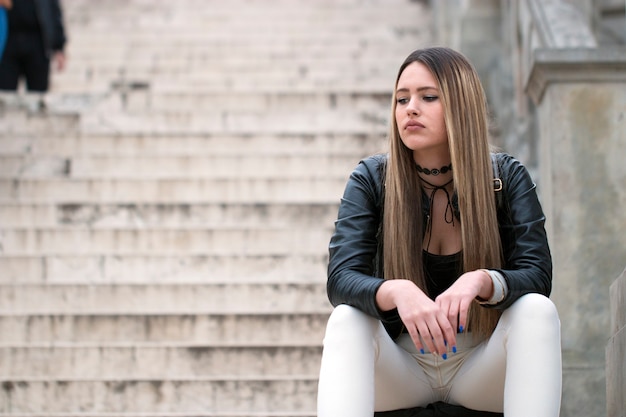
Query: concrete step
[27, 123]
[206, 166]
[272, 17]
[219, 330]
[132, 361]
[223, 144]
[85, 85]
[182, 190]
[221, 298]
[187, 397]
[287, 51]
[310, 413]
[322, 122]
[266, 23]
[212, 15]
[169, 216]
[152, 241]
[137, 100]
[220, 83]
[163, 269]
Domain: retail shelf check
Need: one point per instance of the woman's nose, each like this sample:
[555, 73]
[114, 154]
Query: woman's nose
[412, 107]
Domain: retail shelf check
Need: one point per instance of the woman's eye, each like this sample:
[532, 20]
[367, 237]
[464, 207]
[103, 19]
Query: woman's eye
[430, 98]
[402, 100]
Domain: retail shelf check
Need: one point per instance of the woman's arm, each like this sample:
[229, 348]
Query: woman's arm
[353, 245]
[527, 261]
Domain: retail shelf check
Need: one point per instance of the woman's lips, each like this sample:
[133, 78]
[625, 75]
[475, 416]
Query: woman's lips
[413, 125]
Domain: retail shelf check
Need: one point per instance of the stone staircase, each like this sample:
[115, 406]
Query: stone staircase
[164, 224]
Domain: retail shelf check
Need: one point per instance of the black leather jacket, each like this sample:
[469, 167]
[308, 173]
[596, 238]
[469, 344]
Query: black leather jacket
[355, 267]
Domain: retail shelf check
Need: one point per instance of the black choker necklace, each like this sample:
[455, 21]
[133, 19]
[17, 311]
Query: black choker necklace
[434, 171]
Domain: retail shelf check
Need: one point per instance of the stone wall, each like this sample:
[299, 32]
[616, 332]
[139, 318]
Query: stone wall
[581, 108]
[616, 351]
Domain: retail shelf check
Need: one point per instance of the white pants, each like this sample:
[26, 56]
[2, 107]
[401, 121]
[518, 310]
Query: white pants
[516, 371]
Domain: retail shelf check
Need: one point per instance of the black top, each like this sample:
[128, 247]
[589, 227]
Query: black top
[441, 272]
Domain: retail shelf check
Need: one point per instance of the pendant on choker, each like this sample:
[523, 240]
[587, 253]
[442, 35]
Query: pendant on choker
[434, 171]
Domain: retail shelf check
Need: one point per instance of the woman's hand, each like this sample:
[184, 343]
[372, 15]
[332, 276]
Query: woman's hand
[421, 315]
[456, 300]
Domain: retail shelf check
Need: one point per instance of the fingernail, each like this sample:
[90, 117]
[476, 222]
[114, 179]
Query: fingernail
[422, 351]
[453, 349]
[444, 356]
[460, 329]
[445, 342]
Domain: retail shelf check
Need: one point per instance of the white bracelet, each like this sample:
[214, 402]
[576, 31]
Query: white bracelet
[500, 289]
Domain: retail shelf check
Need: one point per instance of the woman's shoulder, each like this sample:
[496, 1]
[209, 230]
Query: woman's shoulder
[372, 167]
[369, 176]
[376, 161]
[514, 177]
[508, 165]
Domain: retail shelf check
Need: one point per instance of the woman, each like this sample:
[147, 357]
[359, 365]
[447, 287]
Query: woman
[439, 265]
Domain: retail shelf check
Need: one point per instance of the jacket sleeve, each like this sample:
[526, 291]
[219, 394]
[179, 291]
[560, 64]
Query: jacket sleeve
[56, 16]
[527, 260]
[353, 245]
[50, 17]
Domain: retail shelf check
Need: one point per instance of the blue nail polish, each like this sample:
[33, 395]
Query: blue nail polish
[422, 351]
[445, 343]
[444, 356]
[453, 349]
[460, 329]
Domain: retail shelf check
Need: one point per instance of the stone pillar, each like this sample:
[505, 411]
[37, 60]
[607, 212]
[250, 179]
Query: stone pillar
[580, 94]
[616, 351]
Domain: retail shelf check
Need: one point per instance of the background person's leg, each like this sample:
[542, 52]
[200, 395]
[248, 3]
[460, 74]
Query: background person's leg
[10, 66]
[36, 64]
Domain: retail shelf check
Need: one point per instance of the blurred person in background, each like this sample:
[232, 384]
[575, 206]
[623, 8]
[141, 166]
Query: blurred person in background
[4, 27]
[36, 38]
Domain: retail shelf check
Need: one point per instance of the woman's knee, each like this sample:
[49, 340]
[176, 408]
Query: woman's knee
[533, 307]
[348, 321]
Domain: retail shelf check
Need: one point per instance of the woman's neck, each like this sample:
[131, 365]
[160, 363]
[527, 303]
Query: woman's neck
[434, 169]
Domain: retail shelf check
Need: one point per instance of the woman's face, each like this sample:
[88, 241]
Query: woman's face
[419, 112]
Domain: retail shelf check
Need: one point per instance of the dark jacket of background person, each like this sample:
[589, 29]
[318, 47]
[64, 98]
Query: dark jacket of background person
[43, 16]
[36, 36]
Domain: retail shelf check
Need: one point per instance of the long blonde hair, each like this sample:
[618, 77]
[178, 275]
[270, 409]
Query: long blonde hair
[466, 120]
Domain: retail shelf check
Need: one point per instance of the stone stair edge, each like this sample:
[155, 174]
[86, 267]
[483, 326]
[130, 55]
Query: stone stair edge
[225, 378]
[164, 191]
[195, 298]
[227, 144]
[239, 345]
[237, 396]
[185, 268]
[162, 166]
[183, 86]
[160, 285]
[160, 314]
[194, 228]
[165, 414]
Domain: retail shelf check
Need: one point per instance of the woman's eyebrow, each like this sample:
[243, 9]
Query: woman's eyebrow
[420, 89]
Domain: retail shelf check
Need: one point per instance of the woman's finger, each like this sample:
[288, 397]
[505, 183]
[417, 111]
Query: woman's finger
[463, 312]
